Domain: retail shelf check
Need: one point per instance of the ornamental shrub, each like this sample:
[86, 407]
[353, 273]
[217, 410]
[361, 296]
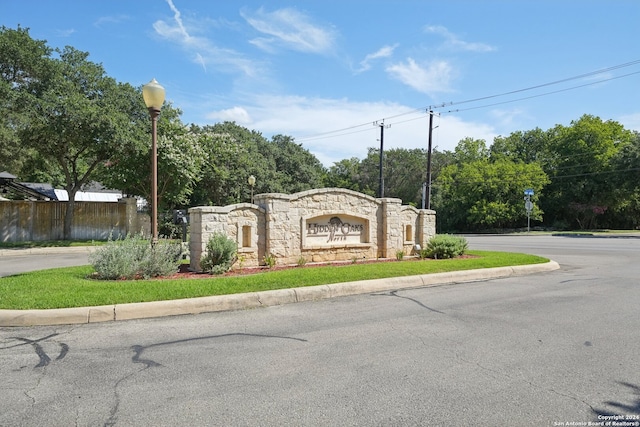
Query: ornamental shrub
[134, 258]
[220, 254]
[270, 260]
[444, 246]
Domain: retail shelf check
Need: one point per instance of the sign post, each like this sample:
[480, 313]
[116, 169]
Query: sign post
[528, 206]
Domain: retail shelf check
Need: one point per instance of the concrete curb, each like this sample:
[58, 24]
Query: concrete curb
[143, 310]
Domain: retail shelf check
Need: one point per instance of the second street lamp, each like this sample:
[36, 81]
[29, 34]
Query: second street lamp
[153, 95]
[252, 181]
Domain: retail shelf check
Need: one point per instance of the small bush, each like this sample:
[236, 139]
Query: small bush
[445, 246]
[220, 254]
[134, 258]
[270, 260]
[241, 260]
[399, 255]
[162, 260]
[302, 261]
[560, 224]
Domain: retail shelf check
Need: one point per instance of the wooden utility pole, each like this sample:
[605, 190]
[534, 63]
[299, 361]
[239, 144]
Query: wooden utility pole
[381, 178]
[428, 182]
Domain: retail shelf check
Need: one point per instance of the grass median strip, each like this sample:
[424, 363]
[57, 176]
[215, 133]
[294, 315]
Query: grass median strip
[70, 287]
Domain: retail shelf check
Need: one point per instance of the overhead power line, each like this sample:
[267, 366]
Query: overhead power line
[541, 94]
[581, 76]
[366, 125]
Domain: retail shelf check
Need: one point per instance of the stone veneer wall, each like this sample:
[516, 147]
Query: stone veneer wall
[327, 224]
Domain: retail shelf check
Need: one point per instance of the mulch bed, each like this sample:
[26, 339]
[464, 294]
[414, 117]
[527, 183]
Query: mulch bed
[185, 273]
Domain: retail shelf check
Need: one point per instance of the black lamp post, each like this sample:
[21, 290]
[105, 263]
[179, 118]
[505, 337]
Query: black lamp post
[153, 95]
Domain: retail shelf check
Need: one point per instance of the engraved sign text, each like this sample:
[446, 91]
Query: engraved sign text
[336, 229]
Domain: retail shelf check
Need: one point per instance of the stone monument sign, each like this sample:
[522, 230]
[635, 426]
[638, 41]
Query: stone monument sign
[327, 224]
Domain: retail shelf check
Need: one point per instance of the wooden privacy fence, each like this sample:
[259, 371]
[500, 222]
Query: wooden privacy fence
[22, 221]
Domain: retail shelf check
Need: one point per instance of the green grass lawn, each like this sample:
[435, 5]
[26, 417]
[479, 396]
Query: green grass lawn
[71, 287]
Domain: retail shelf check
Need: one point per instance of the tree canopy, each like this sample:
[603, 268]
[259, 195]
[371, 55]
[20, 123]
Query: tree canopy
[66, 110]
[487, 194]
[585, 166]
[232, 153]
[22, 71]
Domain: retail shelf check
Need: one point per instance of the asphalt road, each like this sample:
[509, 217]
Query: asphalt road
[545, 350]
[15, 261]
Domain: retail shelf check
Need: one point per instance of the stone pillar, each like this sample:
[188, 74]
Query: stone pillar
[391, 227]
[426, 226]
[131, 225]
[203, 222]
[195, 238]
[277, 224]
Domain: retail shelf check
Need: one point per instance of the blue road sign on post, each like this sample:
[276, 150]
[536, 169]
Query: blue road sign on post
[528, 205]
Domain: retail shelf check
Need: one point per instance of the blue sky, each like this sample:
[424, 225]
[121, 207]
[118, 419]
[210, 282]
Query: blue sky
[325, 71]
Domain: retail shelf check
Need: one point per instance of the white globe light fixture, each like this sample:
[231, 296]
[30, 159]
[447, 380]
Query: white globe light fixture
[252, 181]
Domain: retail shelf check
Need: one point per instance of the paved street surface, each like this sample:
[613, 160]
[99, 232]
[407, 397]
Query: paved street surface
[543, 350]
[14, 261]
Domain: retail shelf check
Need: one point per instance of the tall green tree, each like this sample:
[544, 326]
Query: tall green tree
[296, 168]
[179, 153]
[77, 120]
[470, 150]
[344, 174]
[231, 154]
[580, 168]
[625, 184]
[477, 193]
[404, 171]
[23, 69]
[369, 175]
[528, 146]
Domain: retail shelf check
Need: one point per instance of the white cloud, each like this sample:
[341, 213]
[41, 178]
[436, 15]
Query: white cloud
[201, 49]
[110, 20]
[177, 16]
[452, 129]
[430, 78]
[65, 33]
[453, 42]
[313, 123]
[631, 121]
[509, 118]
[236, 114]
[201, 61]
[383, 52]
[291, 29]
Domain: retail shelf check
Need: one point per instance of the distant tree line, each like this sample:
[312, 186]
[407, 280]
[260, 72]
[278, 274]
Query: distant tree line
[584, 176]
[64, 121]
